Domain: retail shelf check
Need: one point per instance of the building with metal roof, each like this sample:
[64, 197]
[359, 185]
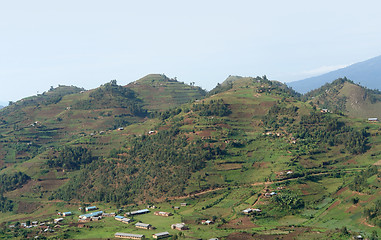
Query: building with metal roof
[92, 208]
[143, 225]
[90, 215]
[161, 235]
[143, 211]
[129, 235]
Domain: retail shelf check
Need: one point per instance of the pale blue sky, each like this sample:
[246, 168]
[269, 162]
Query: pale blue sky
[87, 43]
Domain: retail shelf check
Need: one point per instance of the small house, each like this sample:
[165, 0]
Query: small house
[183, 204]
[96, 218]
[270, 194]
[372, 119]
[251, 210]
[126, 220]
[108, 214]
[161, 235]
[247, 211]
[129, 235]
[57, 220]
[123, 219]
[207, 222]
[65, 214]
[163, 214]
[179, 226]
[92, 208]
[143, 225]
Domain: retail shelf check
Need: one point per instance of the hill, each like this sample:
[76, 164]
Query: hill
[65, 113]
[367, 73]
[158, 92]
[254, 145]
[238, 81]
[343, 95]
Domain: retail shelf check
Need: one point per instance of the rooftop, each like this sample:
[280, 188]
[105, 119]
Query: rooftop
[161, 234]
[129, 235]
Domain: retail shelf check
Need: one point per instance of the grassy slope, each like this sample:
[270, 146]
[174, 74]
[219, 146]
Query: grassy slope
[357, 102]
[161, 93]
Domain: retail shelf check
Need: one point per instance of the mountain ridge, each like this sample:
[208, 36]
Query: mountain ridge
[366, 72]
[252, 145]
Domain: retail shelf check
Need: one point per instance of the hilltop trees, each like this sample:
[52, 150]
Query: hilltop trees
[9, 182]
[212, 108]
[288, 200]
[112, 95]
[159, 164]
[316, 130]
[71, 158]
[12, 181]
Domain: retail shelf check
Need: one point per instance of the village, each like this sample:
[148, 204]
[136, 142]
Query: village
[149, 221]
[93, 214]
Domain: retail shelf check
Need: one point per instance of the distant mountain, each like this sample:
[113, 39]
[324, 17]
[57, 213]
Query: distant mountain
[368, 73]
[3, 104]
[343, 95]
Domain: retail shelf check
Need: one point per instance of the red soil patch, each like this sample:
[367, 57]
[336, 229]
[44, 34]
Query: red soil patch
[351, 209]
[188, 121]
[341, 191]
[27, 207]
[204, 133]
[364, 222]
[190, 136]
[260, 164]
[334, 205]
[378, 163]
[224, 125]
[240, 223]
[25, 189]
[50, 185]
[295, 232]
[350, 162]
[240, 236]
[229, 166]
[303, 188]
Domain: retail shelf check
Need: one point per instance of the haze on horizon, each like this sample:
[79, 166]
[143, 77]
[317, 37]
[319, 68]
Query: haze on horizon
[88, 43]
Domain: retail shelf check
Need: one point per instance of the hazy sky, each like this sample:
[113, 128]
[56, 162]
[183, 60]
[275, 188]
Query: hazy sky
[87, 43]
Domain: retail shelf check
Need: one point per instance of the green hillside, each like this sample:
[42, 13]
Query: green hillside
[349, 98]
[252, 144]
